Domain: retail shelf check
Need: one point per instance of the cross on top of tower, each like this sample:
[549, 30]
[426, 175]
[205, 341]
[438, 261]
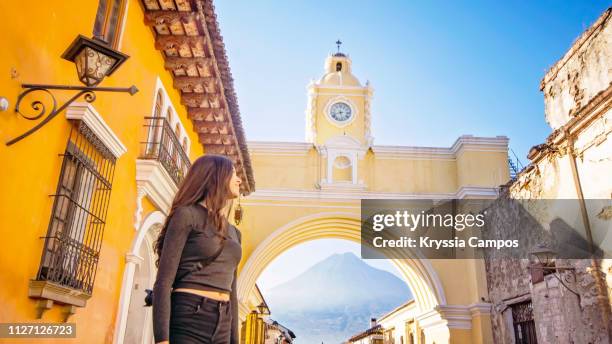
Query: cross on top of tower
[339, 43]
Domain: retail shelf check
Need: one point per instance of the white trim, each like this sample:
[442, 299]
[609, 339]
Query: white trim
[477, 192]
[412, 153]
[318, 86]
[86, 113]
[339, 94]
[453, 316]
[480, 144]
[344, 195]
[340, 99]
[300, 205]
[152, 177]
[131, 260]
[479, 309]
[464, 143]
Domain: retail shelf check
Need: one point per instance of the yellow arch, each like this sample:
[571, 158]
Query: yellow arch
[418, 274]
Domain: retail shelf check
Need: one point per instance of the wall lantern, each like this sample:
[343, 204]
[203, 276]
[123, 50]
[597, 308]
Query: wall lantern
[544, 255]
[263, 308]
[546, 262]
[94, 61]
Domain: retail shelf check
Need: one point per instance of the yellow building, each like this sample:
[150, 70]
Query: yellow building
[312, 190]
[83, 195]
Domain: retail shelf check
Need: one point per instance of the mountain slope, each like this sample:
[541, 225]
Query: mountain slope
[335, 298]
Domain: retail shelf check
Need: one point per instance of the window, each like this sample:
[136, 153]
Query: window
[389, 336]
[339, 67]
[523, 323]
[185, 144]
[177, 133]
[163, 141]
[154, 127]
[109, 21]
[74, 236]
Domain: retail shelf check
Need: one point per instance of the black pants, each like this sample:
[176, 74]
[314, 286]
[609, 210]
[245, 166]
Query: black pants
[196, 319]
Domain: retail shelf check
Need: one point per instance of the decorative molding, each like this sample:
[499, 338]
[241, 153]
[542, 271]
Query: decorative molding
[53, 291]
[86, 113]
[133, 258]
[346, 195]
[317, 86]
[279, 148]
[463, 143]
[341, 186]
[453, 316]
[477, 192]
[480, 309]
[480, 144]
[412, 153]
[152, 177]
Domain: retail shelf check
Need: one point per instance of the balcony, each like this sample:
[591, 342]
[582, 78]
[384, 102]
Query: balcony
[163, 163]
[163, 145]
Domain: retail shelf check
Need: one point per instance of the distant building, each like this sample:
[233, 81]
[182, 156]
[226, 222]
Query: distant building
[259, 328]
[400, 326]
[373, 335]
[276, 333]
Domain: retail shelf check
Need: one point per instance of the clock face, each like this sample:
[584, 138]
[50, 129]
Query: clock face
[341, 112]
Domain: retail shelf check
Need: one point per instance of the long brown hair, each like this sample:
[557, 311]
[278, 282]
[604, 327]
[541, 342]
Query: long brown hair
[207, 180]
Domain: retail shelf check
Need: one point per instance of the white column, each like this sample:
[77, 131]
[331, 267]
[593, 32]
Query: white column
[354, 167]
[331, 157]
[131, 260]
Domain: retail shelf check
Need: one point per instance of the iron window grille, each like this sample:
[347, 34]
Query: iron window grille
[74, 237]
[164, 146]
[524, 325]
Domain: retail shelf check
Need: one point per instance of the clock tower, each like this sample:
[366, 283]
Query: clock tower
[338, 121]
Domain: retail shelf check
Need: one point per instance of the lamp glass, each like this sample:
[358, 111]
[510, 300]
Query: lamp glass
[544, 254]
[92, 66]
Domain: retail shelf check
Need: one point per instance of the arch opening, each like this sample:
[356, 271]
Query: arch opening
[418, 274]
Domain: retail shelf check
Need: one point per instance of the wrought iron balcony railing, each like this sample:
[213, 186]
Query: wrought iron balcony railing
[163, 145]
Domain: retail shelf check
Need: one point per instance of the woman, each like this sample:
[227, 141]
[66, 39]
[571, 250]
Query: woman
[199, 305]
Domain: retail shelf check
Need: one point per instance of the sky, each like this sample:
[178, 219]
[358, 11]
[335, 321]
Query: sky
[440, 69]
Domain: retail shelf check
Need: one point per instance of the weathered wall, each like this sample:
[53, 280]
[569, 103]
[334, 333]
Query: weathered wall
[578, 102]
[580, 75]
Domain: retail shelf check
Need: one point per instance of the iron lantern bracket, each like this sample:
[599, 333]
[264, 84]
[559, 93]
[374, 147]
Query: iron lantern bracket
[40, 110]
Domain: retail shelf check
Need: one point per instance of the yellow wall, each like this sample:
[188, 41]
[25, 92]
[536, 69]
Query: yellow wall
[35, 36]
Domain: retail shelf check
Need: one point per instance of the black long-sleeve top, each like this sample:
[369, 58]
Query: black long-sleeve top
[190, 239]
